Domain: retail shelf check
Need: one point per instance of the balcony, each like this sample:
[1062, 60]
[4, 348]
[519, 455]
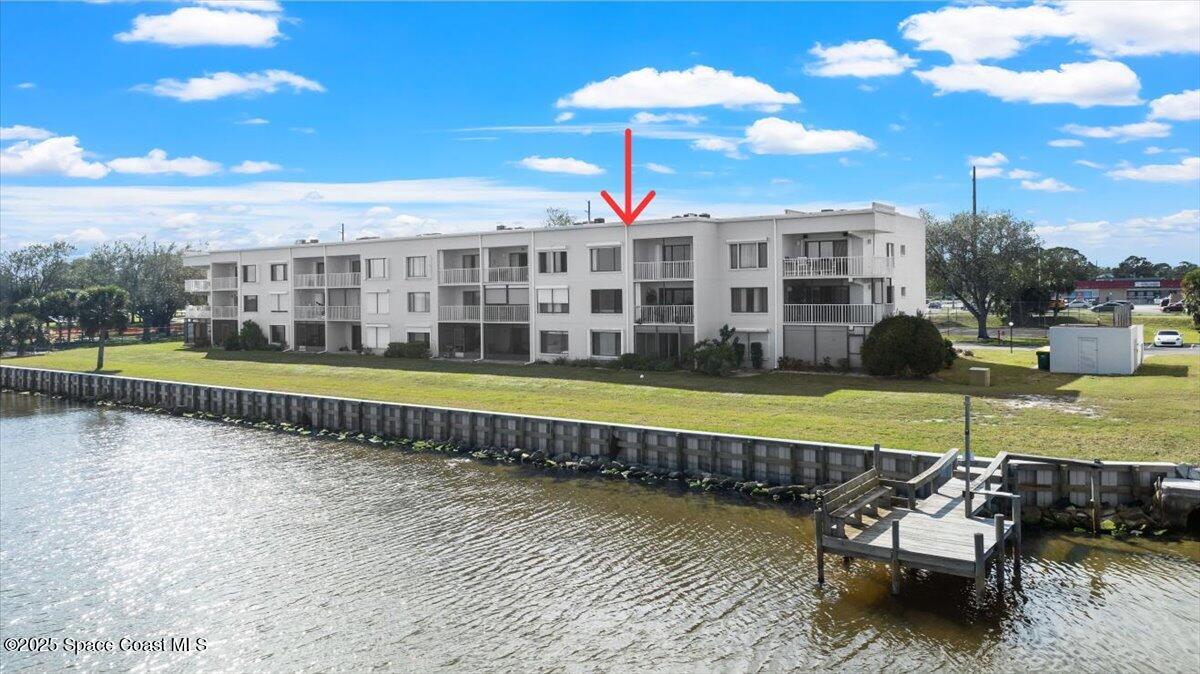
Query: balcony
[225, 312]
[836, 314]
[309, 281]
[460, 276]
[459, 312]
[197, 285]
[345, 313]
[506, 313]
[662, 270]
[224, 283]
[664, 314]
[824, 267]
[348, 279]
[309, 312]
[200, 311]
[508, 275]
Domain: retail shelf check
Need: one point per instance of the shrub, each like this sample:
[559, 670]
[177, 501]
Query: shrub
[793, 364]
[951, 354]
[756, 355]
[232, 343]
[407, 350]
[904, 346]
[251, 338]
[739, 350]
[632, 361]
[711, 357]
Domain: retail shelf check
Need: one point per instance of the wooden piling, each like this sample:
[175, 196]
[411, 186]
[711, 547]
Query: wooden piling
[820, 524]
[1016, 507]
[980, 565]
[895, 557]
[999, 520]
[1094, 485]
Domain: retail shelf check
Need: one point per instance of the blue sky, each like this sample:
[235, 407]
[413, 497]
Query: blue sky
[254, 123]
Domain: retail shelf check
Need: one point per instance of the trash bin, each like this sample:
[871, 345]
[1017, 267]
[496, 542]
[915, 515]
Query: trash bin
[1043, 360]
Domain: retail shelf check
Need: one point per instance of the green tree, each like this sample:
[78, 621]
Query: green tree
[103, 309]
[1191, 295]
[1183, 268]
[21, 330]
[60, 306]
[984, 262]
[32, 271]
[558, 217]
[1134, 266]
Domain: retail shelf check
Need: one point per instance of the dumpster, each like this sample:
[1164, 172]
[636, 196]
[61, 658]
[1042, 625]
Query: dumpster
[1043, 360]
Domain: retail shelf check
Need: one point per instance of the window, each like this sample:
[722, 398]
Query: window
[606, 301]
[830, 248]
[606, 344]
[553, 301]
[903, 249]
[554, 342]
[377, 268]
[376, 303]
[418, 303]
[891, 249]
[249, 302]
[250, 273]
[356, 266]
[414, 267]
[552, 262]
[504, 295]
[470, 261]
[278, 334]
[418, 338]
[748, 255]
[904, 291]
[606, 259]
[518, 259]
[376, 336]
[278, 302]
[890, 294]
[279, 271]
[676, 252]
[749, 300]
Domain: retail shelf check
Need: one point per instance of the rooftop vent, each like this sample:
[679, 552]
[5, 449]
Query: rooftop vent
[365, 238]
[302, 242]
[501, 228]
[826, 210]
[692, 215]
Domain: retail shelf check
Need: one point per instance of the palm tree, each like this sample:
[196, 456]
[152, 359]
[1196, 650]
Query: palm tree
[101, 309]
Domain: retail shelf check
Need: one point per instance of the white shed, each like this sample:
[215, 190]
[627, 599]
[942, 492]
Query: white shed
[1094, 349]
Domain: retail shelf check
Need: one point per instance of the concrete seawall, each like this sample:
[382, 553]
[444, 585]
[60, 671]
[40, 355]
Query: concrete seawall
[773, 461]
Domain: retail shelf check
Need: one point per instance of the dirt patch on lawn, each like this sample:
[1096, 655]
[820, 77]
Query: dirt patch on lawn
[1052, 403]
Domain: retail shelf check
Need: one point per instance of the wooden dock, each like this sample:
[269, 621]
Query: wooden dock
[930, 522]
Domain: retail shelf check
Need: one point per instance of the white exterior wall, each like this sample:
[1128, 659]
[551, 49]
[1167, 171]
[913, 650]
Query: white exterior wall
[1092, 349]
[868, 230]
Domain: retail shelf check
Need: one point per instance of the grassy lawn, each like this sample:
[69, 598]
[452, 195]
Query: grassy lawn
[961, 328]
[1153, 416]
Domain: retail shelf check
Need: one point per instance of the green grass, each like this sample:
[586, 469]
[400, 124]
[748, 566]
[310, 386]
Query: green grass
[1153, 416]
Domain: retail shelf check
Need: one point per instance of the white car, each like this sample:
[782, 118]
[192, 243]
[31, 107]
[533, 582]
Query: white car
[1079, 304]
[1168, 338]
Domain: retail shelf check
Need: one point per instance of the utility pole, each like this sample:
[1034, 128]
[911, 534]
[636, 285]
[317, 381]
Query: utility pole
[343, 231]
[974, 216]
[589, 211]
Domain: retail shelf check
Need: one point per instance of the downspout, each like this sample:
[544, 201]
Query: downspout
[483, 263]
[531, 260]
[777, 306]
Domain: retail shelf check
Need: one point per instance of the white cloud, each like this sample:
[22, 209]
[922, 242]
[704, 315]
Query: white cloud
[974, 33]
[1187, 170]
[179, 220]
[772, 135]
[87, 235]
[1022, 174]
[1090, 164]
[659, 168]
[22, 132]
[717, 144]
[1183, 106]
[652, 118]
[895, 127]
[219, 85]
[1080, 84]
[27, 85]
[1046, 185]
[378, 211]
[868, 58]
[1066, 142]
[1185, 223]
[993, 159]
[560, 165]
[252, 167]
[306, 130]
[157, 162]
[564, 117]
[248, 5]
[1122, 133]
[193, 26]
[1153, 149]
[692, 88]
[254, 121]
[53, 156]
[988, 172]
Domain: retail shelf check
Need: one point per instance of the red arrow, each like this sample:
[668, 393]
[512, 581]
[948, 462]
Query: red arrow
[629, 214]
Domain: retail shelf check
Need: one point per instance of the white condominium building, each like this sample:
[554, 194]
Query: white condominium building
[802, 285]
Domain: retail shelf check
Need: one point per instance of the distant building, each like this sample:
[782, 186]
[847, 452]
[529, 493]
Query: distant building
[1136, 290]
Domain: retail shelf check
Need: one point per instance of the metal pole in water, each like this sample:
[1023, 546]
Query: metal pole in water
[999, 520]
[1016, 506]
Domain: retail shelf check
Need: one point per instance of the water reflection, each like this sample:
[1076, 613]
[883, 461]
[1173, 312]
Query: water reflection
[300, 554]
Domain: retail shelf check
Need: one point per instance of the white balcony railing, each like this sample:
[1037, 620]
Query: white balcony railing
[506, 313]
[836, 314]
[662, 270]
[459, 312]
[673, 314]
[810, 267]
[345, 279]
[308, 312]
[344, 313]
[309, 281]
[458, 276]
[225, 312]
[197, 311]
[508, 275]
[197, 285]
[224, 283]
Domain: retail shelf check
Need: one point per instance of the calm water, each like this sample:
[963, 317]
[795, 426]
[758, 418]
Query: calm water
[293, 554]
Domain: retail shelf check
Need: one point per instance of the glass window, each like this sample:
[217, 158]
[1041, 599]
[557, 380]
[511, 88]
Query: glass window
[414, 267]
[606, 301]
[278, 334]
[418, 303]
[418, 338]
[470, 261]
[250, 273]
[279, 271]
[376, 303]
[904, 291]
[606, 259]
[606, 344]
[903, 250]
[377, 268]
[249, 302]
[891, 249]
[749, 300]
[751, 255]
[553, 300]
[552, 262]
[554, 342]
[278, 301]
[677, 252]
[376, 336]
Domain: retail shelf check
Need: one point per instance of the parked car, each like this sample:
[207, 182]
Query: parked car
[1174, 307]
[1107, 307]
[1079, 303]
[1168, 338]
[935, 305]
[1056, 304]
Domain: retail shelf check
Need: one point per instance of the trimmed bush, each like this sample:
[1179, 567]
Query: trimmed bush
[632, 361]
[756, 355]
[951, 353]
[251, 338]
[232, 343]
[712, 357]
[740, 350]
[904, 346]
[407, 350]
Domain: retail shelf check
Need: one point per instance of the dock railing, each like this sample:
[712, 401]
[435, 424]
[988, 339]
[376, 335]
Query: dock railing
[932, 477]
